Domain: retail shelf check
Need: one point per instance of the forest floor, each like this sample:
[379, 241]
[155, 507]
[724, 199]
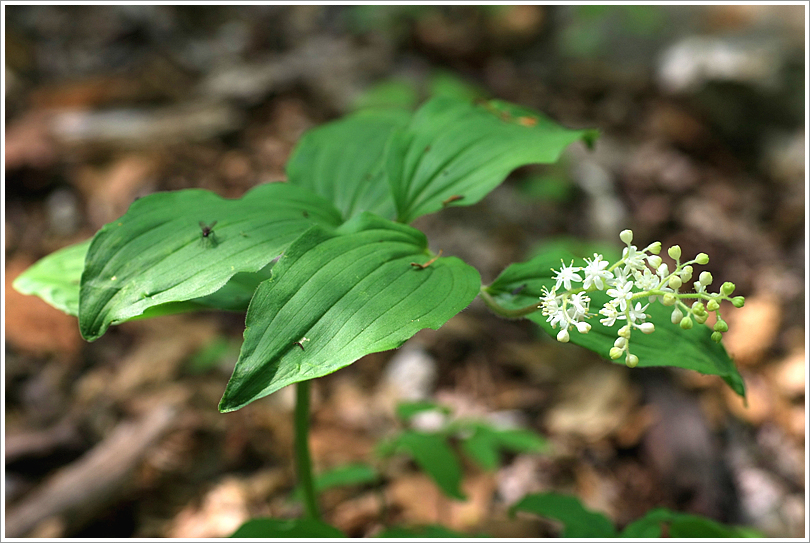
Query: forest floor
[701, 114]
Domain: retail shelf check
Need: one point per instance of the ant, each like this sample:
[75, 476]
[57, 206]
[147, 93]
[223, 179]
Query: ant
[208, 235]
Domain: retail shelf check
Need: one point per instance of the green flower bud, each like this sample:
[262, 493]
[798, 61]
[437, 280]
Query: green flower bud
[702, 259]
[698, 308]
[738, 301]
[624, 332]
[703, 317]
[727, 288]
[676, 316]
[626, 236]
[654, 248]
[615, 353]
[675, 282]
[674, 252]
[654, 261]
[686, 273]
[686, 323]
[632, 361]
[712, 305]
[717, 336]
[705, 278]
[720, 326]
[669, 299]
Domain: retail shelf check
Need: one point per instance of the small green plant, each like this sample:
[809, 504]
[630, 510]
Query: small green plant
[329, 269]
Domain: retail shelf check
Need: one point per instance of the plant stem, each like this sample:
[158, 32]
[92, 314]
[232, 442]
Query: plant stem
[302, 458]
[501, 311]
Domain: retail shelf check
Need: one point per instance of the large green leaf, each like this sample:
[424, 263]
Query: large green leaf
[55, 278]
[433, 454]
[285, 528]
[520, 285]
[578, 522]
[342, 161]
[157, 254]
[454, 150]
[337, 295]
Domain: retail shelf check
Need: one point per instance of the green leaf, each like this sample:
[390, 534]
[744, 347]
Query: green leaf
[337, 295]
[348, 475]
[448, 84]
[55, 278]
[283, 529]
[407, 410]
[393, 92]
[681, 525]
[156, 253]
[578, 522]
[520, 285]
[434, 456]
[433, 531]
[454, 148]
[486, 442]
[343, 161]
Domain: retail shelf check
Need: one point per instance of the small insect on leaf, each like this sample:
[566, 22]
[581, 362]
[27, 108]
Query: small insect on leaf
[428, 263]
[454, 198]
[527, 121]
[209, 238]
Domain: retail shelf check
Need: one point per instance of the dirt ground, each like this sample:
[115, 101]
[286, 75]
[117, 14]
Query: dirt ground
[701, 111]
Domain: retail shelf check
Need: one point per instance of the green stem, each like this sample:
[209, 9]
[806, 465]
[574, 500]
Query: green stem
[302, 458]
[501, 311]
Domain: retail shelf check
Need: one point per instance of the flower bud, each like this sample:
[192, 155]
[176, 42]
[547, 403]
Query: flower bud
[686, 273]
[717, 336]
[703, 317]
[654, 247]
[675, 282]
[720, 326]
[669, 299]
[632, 361]
[676, 316]
[620, 343]
[705, 278]
[615, 353]
[738, 301]
[654, 261]
[702, 259]
[647, 328]
[624, 332]
[626, 236]
[686, 323]
[727, 288]
[583, 327]
[674, 252]
[712, 305]
[698, 308]
[563, 336]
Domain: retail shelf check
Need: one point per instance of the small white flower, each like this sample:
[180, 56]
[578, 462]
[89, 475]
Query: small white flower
[636, 314]
[611, 314]
[633, 259]
[622, 292]
[646, 280]
[595, 272]
[580, 302]
[566, 275]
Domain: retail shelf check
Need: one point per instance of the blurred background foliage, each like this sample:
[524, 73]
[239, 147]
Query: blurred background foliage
[701, 110]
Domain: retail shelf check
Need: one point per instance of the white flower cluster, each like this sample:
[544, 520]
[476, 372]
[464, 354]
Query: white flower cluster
[637, 276]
